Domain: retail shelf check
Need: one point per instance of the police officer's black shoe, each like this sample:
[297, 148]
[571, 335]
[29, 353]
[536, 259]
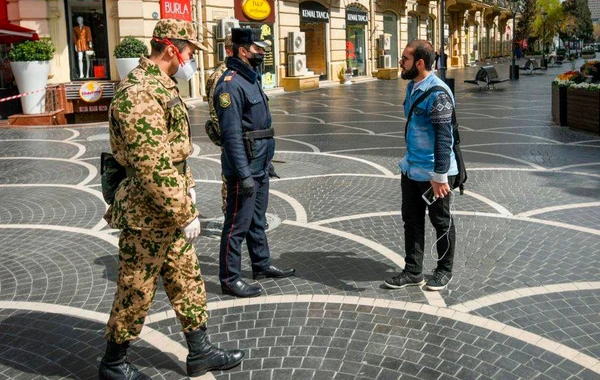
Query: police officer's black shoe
[203, 356]
[114, 364]
[240, 288]
[273, 272]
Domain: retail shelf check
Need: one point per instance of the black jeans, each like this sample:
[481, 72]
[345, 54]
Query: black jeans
[413, 215]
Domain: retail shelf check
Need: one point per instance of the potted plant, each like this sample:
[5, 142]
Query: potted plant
[128, 53]
[30, 64]
[345, 75]
[559, 97]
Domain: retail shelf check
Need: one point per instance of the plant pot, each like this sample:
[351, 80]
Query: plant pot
[32, 76]
[125, 65]
[583, 109]
[347, 79]
[559, 105]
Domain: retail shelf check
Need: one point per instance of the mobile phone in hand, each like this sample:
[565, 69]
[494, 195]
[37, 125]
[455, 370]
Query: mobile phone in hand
[429, 196]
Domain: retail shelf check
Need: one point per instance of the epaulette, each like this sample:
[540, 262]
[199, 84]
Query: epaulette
[230, 77]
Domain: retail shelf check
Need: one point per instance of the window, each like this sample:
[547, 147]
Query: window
[431, 30]
[413, 27]
[88, 40]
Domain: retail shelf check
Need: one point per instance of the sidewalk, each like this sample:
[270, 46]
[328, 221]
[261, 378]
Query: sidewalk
[524, 302]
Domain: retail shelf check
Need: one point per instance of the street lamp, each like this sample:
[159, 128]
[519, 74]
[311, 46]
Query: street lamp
[544, 18]
[514, 70]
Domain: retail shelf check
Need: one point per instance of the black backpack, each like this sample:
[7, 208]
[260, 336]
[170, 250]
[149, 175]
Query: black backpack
[461, 177]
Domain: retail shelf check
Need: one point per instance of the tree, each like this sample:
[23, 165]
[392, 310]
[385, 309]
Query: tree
[555, 16]
[525, 23]
[579, 20]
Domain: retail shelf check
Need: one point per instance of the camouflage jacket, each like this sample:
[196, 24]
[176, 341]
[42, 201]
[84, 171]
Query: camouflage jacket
[211, 84]
[150, 132]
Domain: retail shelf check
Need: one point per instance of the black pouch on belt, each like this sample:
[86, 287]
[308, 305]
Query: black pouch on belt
[112, 174]
[250, 136]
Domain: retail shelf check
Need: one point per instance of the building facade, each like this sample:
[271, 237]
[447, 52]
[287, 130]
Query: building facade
[363, 35]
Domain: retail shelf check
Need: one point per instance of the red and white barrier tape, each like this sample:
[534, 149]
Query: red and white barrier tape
[21, 95]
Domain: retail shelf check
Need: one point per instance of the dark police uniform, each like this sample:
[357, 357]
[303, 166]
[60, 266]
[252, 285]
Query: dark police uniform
[248, 147]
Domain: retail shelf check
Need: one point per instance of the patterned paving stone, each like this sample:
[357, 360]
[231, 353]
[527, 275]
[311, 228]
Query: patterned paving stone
[32, 171]
[56, 346]
[524, 191]
[290, 165]
[66, 207]
[570, 318]
[57, 267]
[320, 339]
[44, 148]
[584, 217]
[378, 195]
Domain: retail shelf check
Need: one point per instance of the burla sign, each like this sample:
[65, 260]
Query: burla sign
[181, 9]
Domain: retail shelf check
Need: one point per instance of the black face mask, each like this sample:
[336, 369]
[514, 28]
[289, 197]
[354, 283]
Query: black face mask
[256, 59]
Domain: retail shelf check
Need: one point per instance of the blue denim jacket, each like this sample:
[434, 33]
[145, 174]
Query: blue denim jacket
[419, 161]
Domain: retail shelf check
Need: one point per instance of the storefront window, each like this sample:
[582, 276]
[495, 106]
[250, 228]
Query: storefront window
[413, 27]
[268, 69]
[356, 25]
[476, 37]
[314, 18]
[390, 26]
[88, 40]
[431, 30]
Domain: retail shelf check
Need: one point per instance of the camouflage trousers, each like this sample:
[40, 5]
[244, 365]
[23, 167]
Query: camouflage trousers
[143, 256]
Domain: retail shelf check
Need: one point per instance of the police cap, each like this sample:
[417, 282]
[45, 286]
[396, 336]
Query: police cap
[248, 36]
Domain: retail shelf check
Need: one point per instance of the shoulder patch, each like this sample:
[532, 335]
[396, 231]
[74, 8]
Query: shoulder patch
[227, 78]
[225, 100]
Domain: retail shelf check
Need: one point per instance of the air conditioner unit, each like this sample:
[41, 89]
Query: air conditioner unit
[385, 61]
[224, 27]
[296, 65]
[385, 41]
[221, 53]
[296, 42]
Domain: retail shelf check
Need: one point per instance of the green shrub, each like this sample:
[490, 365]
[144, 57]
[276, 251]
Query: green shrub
[41, 50]
[130, 47]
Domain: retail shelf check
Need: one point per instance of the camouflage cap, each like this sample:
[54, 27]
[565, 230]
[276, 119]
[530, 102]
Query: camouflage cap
[178, 29]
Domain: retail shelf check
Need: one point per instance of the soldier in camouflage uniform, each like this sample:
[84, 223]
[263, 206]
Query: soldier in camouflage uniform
[155, 206]
[210, 90]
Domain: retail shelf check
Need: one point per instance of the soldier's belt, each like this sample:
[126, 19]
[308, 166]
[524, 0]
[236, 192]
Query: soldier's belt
[260, 134]
[180, 166]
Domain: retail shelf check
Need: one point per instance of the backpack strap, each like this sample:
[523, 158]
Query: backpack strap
[419, 100]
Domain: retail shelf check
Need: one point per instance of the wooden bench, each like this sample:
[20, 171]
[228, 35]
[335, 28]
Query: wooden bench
[531, 66]
[488, 76]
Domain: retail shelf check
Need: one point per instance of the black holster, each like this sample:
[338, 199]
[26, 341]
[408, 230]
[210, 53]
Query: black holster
[250, 136]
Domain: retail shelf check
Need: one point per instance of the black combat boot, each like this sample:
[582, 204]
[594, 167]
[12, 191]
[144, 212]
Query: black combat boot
[204, 356]
[114, 364]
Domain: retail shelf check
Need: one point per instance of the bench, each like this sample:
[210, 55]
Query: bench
[531, 66]
[488, 75]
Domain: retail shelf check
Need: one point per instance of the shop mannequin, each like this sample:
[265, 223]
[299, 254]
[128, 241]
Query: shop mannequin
[82, 38]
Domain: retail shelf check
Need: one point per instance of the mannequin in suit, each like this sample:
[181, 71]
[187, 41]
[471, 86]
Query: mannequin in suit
[82, 38]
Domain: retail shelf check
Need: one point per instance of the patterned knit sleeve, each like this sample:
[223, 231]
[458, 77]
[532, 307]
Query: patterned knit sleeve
[441, 118]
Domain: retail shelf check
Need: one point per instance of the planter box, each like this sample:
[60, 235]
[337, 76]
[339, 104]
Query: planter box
[583, 109]
[391, 73]
[559, 105]
[308, 82]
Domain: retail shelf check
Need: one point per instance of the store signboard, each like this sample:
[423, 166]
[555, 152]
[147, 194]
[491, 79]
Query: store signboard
[181, 9]
[90, 92]
[255, 11]
[354, 16]
[311, 11]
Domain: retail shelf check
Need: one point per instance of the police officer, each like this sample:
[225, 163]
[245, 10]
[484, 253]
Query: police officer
[248, 147]
[155, 206]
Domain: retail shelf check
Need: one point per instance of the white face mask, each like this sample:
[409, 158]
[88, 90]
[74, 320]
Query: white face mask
[186, 72]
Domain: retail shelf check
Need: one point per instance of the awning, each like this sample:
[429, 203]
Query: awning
[11, 33]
